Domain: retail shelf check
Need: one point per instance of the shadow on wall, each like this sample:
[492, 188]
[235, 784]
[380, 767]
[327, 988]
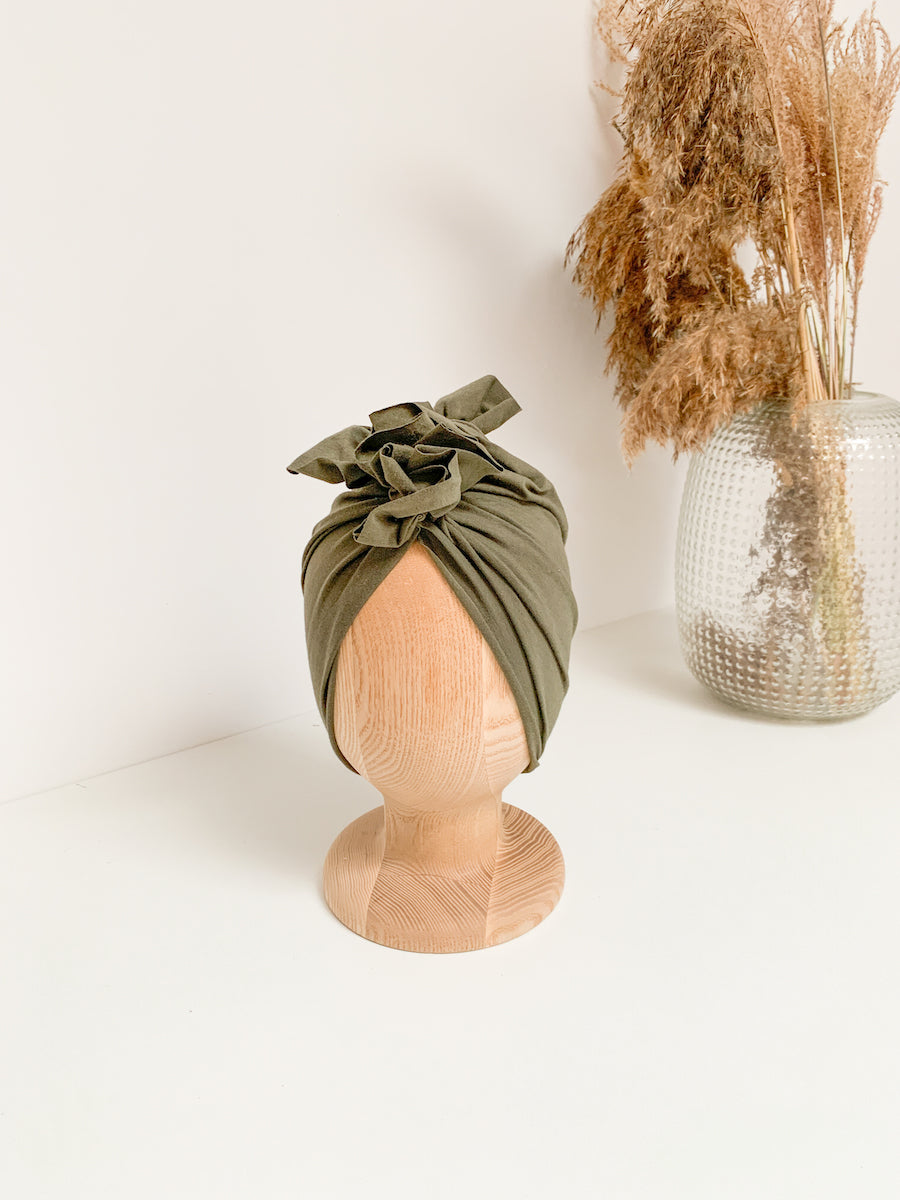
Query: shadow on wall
[509, 307]
[622, 522]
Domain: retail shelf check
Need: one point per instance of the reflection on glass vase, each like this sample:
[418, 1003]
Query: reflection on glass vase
[788, 560]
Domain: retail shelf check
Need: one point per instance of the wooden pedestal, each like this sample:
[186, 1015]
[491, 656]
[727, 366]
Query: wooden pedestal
[425, 714]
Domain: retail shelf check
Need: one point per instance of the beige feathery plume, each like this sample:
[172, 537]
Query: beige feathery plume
[741, 119]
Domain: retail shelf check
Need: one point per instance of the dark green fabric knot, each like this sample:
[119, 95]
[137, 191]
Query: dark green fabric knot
[493, 525]
[417, 460]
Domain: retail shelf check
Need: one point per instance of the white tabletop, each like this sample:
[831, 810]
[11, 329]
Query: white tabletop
[710, 1014]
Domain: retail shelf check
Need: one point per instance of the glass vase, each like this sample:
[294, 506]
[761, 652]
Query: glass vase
[788, 559]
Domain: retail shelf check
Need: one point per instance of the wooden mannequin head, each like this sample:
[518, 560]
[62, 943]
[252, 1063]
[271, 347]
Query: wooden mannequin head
[424, 713]
[422, 709]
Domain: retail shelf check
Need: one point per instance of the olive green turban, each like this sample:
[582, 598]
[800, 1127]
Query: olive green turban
[494, 526]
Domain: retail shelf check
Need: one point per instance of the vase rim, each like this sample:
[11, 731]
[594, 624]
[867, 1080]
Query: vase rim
[863, 394]
[857, 396]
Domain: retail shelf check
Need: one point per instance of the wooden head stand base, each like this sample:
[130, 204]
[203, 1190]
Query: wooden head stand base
[423, 711]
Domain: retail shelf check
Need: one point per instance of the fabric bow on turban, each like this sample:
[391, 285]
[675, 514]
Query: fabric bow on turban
[494, 526]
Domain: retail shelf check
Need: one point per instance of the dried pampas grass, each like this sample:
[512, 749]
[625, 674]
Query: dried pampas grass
[742, 120]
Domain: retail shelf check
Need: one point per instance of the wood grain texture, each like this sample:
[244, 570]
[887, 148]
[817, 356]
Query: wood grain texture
[424, 713]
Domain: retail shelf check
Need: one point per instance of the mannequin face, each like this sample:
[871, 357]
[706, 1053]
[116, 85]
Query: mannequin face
[422, 709]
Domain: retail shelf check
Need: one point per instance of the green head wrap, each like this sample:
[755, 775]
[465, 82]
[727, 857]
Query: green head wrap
[494, 526]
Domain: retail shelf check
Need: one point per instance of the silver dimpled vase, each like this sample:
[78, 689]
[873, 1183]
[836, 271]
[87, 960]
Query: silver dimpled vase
[788, 559]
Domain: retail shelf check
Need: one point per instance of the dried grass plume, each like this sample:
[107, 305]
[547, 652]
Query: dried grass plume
[743, 121]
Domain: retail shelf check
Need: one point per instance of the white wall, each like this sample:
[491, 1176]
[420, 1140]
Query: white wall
[227, 229]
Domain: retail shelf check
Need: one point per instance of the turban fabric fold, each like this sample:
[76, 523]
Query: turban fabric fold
[494, 526]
